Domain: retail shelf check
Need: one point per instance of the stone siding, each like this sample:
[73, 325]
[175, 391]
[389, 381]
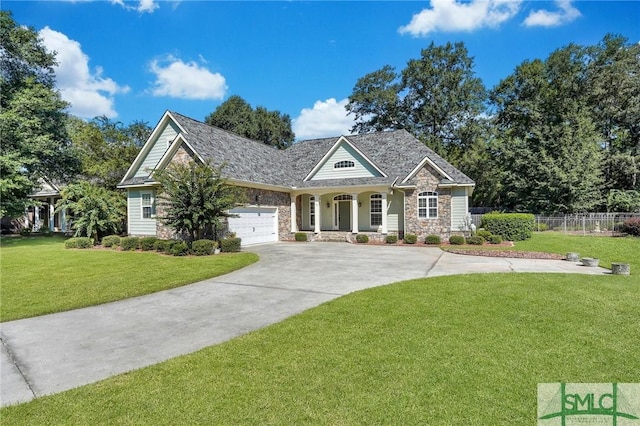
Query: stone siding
[427, 179]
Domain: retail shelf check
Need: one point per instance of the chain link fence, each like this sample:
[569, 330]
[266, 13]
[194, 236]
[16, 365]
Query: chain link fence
[585, 223]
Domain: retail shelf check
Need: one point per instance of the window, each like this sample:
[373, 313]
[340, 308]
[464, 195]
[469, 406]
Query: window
[345, 164]
[428, 205]
[147, 205]
[312, 211]
[376, 210]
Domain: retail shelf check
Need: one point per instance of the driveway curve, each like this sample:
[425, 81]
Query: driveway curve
[57, 352]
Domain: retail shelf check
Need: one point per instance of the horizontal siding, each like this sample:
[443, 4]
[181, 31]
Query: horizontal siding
[138, 225]
[157, 151]
[395, 211]
[458, 208]
[345, 153]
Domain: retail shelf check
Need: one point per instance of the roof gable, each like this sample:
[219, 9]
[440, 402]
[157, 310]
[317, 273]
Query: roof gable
[344, 160]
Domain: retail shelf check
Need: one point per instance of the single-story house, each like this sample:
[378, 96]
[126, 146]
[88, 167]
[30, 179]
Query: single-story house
[43, 215]
[375, 183]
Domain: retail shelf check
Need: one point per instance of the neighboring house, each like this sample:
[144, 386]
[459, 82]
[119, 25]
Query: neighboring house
[376, 183]
[44, 216]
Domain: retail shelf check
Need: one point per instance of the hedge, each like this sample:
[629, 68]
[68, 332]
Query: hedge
[129, 243]
[148, 243]
[631, 226]
[111, 241]
[391, 239]
[180, 248]
[301, 236]
[79, 242]
[362, 238]
[231, 244]
[475, 240]
[410, 239]
[203, 247]
[456, 240]
[510, 226]
[433, 239]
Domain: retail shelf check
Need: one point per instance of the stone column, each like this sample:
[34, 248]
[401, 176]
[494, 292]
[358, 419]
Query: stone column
[354, 213]
[294, 214]
[384, 212]
[316, 207]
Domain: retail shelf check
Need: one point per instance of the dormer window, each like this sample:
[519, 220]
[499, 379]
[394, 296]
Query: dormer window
[344, 164]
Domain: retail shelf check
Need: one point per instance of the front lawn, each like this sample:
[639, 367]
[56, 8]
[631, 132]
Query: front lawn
[40, 276]
[448, 350]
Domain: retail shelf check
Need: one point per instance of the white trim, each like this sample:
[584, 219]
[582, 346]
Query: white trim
[426, 160]
[152, 215]
[371, 199]
[312, 202]
[171, 152]
[430, 196]
[333, 149]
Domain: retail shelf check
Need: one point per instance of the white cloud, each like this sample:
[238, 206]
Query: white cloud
[89, 94]
[544, 18]
[186, 80]
[325, 119]
[143, 6]
[452, 16]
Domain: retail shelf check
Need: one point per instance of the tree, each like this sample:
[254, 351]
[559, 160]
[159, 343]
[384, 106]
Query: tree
[195, 197]
[436, 97]
[269, 127]
[106, 148]
[32, 117]
[95, 211]
[549, 147]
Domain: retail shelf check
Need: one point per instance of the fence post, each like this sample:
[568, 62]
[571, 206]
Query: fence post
[565, 224]
[584, 224]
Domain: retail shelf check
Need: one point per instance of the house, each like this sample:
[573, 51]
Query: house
[43, 214]
[376, 183]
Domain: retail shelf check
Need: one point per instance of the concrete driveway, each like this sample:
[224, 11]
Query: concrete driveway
[53, 353]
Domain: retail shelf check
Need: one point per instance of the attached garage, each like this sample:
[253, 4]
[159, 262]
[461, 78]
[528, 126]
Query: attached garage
[255, 225]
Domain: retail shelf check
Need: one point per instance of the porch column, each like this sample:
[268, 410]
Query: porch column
[36, 217]
[354, 213]
[51, 214]
[318, 211]
[384, 212]
[294, 214]
[26, 217]
[63, 220]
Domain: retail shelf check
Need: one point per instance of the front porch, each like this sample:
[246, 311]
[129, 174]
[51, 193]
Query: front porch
[349, 237]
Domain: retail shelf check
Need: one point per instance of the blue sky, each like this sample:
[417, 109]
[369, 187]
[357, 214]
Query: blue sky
[134, 60]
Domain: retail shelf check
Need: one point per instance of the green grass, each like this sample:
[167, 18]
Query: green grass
[449, 350]
[40, 276]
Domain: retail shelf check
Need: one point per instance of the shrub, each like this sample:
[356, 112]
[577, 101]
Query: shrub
[495, 239]
[391, 239]
[148, 243]
[168, 245]
[160, 245]
[631, 226]
[111, 241]
[410, 239]
[301, 236]
[362, 238]
[483, 233]
[231, 244]
[456, 240]
[180, 248]
[129, 243]
[433, 239]
[203, 247]
[79, 242]
[510, 226]
[475, 240]
[543, 227]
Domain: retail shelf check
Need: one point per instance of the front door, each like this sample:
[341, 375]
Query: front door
[344, 215]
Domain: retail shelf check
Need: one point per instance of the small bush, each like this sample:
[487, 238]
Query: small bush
[79, 242]
[362, 238]
[168, 245]
[180, 248]
[495, 239]
[203, 247]
[301, 236]
[410, 239]
[148, 243]
[25, 232]
[483, 233]
[111, 241]
[510, 226]
[129, 243]
[433, 239]
[456, 240]
[160, 245]
[475, 240]
[229, 245]
[391, 239]
[631, 226]
[543, 227]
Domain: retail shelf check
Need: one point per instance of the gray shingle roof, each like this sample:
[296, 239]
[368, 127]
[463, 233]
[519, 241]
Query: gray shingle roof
[396, 153]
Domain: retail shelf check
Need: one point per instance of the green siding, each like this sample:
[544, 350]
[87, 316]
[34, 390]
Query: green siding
[395, 211]
[345, 153]
[459, 208]
[158, 149]
[138, 225]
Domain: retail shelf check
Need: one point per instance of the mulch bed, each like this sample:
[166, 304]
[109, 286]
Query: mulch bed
[507, 253]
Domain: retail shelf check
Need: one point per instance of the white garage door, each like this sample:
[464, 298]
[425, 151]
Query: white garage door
[255, 224]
